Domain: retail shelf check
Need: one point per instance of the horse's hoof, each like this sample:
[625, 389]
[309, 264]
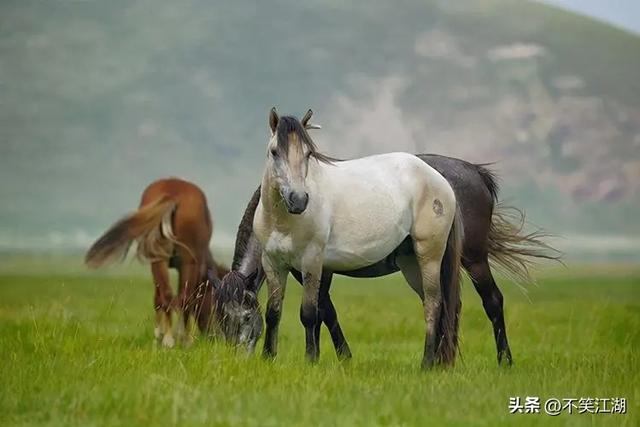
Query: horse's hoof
[168, 341]
[506, 363]
[268, 355]
[505, 359]
[187, 341]
[428, 364]
[344, 355]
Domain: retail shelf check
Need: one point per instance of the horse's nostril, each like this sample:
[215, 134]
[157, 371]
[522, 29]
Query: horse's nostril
[297, 201]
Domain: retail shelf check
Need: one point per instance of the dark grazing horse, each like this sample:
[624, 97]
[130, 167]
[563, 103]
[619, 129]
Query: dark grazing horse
[492, 233]
[172, 228]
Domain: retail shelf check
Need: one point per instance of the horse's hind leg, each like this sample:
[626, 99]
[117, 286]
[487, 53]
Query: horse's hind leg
[413, 273]
[432, 303]
[188, 281]
[162, 303]
[432, 225]
[493, 305]
[204, 308]
[329, 317]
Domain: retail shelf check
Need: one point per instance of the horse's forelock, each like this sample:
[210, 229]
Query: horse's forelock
[290, 125]
[232, 288]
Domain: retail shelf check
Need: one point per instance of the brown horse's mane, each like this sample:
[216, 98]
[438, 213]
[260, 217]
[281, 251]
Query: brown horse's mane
[289, 124]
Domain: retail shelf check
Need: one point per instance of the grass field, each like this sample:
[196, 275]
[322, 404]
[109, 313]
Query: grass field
[76, 349]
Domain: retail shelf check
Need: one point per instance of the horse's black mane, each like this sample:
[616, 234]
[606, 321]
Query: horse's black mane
[234, 283]
[289, 124]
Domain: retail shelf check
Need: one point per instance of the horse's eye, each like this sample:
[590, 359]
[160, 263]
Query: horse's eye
[274, 153]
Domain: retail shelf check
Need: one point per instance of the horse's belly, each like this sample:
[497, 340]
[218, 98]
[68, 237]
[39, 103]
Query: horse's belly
[343, 259]
[364, 248]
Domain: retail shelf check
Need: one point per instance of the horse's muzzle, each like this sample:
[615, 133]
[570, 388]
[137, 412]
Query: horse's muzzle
[297, 202]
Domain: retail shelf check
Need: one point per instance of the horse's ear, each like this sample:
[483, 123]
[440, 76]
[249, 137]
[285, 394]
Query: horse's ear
[273, 120]
[306, 117]
[305, 121]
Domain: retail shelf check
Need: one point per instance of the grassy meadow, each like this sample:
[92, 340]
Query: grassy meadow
[76, 348]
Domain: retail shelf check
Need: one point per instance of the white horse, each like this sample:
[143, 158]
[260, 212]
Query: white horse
[316, 212]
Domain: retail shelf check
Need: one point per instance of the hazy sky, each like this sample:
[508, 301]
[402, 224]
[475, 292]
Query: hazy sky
[622, 13]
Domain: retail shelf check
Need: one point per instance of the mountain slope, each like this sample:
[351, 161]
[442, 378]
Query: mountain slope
[100, 98]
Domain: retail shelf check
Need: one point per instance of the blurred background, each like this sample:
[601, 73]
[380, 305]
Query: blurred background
[99, 98]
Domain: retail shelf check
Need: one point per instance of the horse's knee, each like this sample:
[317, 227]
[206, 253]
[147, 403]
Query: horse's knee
[272, 315]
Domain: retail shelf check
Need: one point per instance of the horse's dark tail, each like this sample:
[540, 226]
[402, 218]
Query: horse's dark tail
[447, 332]
[150, 226]
[511, 249]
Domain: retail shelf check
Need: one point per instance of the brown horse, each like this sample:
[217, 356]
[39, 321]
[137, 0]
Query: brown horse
[172, 228]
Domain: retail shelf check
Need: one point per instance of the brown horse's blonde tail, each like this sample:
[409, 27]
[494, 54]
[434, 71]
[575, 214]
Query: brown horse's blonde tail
[447, 331]
[150, 226]
[513, 250]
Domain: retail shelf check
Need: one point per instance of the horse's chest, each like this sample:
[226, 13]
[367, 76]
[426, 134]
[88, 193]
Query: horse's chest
[282, 249]
[279, 243]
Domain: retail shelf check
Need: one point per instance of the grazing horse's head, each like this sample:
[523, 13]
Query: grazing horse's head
[238, 311]
[288, 154]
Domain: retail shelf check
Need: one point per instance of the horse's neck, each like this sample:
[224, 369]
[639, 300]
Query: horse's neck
[247, 256]
[251, 260]
[245, 229]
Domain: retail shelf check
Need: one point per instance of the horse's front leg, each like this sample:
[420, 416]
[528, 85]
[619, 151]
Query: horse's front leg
[309, 316]
[276, 283]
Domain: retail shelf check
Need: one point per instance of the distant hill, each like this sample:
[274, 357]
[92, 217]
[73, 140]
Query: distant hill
[100, 98]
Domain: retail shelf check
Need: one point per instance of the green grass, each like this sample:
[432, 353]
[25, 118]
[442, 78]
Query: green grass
[76, 349]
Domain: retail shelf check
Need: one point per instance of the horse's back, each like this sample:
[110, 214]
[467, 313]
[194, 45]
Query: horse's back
[374, 203]
[400, 177]
[177, 188]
